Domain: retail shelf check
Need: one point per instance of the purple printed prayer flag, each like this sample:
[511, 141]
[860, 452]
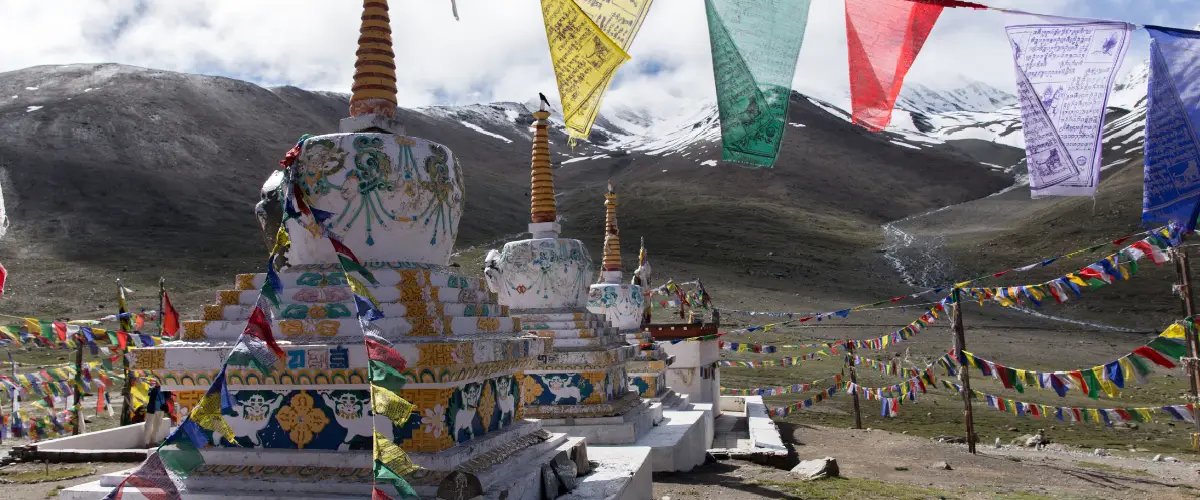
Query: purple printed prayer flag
[1065, 72]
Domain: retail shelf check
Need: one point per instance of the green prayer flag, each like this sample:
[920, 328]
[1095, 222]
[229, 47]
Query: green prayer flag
[181, 456]
[755, 44]
[1168, 348]
[383, 375]
[1092, 382]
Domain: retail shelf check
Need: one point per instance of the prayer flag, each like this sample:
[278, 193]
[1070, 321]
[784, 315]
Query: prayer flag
[754, 45]
[585, 59]
[170, 316]
[349, 261]
[883, 37]
[123, 311]
[1172, 144]
[1065, 72]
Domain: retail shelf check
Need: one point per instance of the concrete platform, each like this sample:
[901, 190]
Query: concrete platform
[680, 442]
[744, 430]
[626, 428]
[622, 473]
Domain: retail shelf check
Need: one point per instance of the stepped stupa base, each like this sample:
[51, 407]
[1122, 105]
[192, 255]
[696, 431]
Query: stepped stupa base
[508, 465]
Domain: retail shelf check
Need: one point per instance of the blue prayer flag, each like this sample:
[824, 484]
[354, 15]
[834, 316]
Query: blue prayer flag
[1172, 145]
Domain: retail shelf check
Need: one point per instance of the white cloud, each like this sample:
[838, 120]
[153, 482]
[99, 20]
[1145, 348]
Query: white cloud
[496, 52]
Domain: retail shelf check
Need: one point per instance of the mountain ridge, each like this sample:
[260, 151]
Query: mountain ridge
[109, 167]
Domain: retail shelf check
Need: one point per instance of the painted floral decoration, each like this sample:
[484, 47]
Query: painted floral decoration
[301, 420]
[487, 404]
[433, 421]
[530, 390]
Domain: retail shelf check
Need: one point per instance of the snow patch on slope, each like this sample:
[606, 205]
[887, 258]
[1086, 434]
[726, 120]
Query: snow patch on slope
[479, 129]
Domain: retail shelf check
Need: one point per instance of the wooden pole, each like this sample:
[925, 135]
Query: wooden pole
[1189, 309]
[78, 406]
[14, 395]
[162, 292]
[964, 373]
[126, 398]
[854, 382]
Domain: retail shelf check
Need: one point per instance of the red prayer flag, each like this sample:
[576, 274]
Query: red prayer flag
[3, 278]
[380, 352]
[170, 316]
[1079, 380]
[1089, 272]
[122, 340]
[139, 321]
[60, 330]
[290, 157]
[378, 494]
[883, 38]
[1154, 356]
[260, 328]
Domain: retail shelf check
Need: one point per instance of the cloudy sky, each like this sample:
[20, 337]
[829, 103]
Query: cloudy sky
[498, 49]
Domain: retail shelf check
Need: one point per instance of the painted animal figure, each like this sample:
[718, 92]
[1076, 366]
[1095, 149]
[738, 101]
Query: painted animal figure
[464, 416]
[504, 399]
[252, 416]
[560, 386]
[354, 415]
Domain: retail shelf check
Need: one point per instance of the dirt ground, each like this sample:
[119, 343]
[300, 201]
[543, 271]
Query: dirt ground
[903, 465]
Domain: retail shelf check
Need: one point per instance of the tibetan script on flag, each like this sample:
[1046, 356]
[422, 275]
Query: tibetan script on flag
[755, 44]
[1172, 145]
[588, 41]
[1064, 74]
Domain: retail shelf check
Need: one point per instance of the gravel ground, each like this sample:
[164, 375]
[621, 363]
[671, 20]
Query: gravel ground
[905, 460]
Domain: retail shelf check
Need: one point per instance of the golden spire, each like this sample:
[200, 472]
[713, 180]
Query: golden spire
[642, 252]
[375, 70]
[612, 238]
[541, 201]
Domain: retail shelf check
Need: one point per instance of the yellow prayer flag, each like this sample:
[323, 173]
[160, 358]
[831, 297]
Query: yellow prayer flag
[1036, 292]
[139, 393]
[207, 414]
[1176, 331]
[1076, 279]
[391, 456]
[1145, 413]
[282, 241]
[32, 327]
[390, 405]
[1002, 299]
[585, 59]
[1127, 368]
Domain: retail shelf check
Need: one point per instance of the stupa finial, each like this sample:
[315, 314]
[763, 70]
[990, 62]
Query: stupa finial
[374, 90]
[612, 239]
[541, 201]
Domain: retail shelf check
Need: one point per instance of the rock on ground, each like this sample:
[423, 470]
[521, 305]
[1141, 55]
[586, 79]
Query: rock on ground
[821, 468]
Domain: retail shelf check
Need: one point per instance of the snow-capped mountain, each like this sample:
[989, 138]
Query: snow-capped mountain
[970, 96]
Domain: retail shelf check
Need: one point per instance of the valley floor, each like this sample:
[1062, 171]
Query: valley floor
[880, 465]
[885, 465]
